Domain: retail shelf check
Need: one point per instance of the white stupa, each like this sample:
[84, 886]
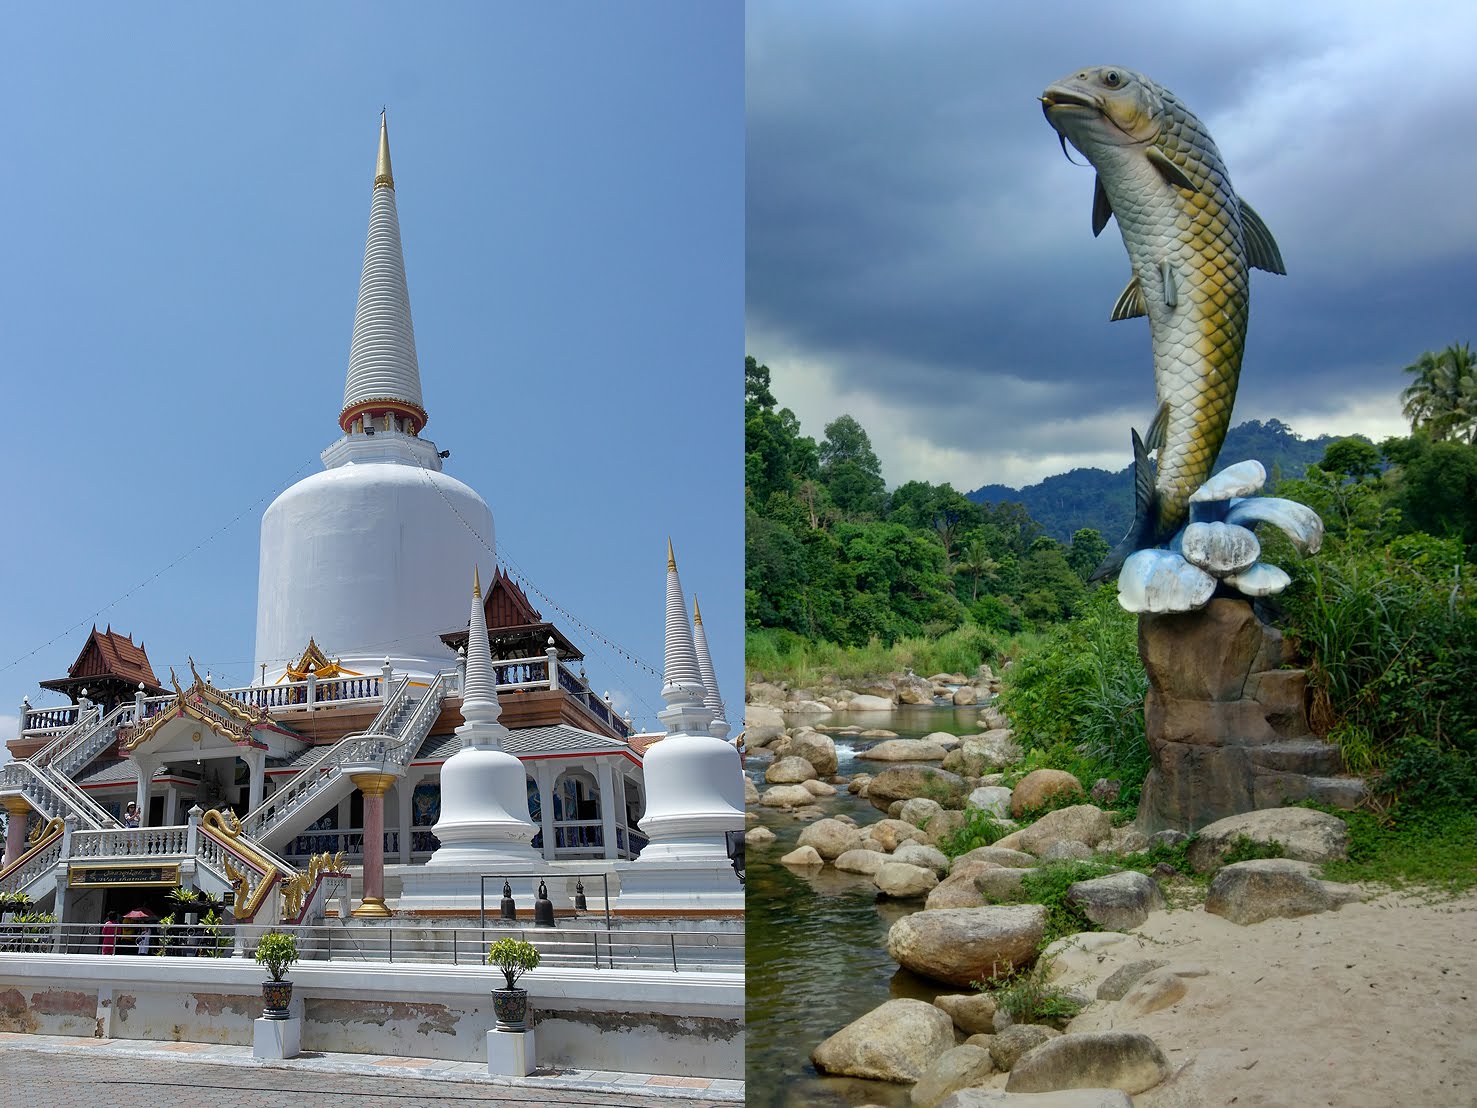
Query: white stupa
[717, 725]
[694, 789]
[366, 557]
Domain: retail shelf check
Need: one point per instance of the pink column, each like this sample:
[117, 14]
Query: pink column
[373, 786]
[15, 828]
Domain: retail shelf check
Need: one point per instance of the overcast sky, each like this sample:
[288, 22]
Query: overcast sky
[920, 253]
[187, 191]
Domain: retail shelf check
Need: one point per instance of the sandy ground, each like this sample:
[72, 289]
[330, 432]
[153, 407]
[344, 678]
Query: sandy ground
[1373, 1004]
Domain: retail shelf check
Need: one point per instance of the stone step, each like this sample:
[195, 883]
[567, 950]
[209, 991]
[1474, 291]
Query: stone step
[1312, 757]
[1346, 793]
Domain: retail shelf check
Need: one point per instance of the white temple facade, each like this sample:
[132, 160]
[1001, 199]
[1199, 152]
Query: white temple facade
[388, 734]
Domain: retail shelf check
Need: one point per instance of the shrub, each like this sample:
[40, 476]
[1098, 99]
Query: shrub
[514, 957]
[980, 828]
[276, 950]
[1028, 996]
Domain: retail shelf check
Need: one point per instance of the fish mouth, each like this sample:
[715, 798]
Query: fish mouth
[1059, 97]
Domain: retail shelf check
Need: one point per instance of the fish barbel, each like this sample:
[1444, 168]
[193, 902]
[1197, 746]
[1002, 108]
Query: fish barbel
[1191, 242]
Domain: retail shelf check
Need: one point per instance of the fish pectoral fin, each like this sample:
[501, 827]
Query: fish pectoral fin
[1261, 247]
[1158, 429]
[1169, 171]
[1102, 209]
[1171, 287]
[1130, 302]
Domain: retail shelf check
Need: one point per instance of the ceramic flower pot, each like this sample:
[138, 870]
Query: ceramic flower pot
[276, 997]
[511, 1008]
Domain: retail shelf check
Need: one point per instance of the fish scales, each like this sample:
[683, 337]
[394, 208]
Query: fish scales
[1182, 225]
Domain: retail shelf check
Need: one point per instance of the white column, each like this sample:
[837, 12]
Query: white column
[144, 773]
[256, 763]
[608, 802]
[404, 797]
[171, 805]
[620, 811]
[543, 775]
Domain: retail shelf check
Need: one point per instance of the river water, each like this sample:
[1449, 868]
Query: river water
[816, 945]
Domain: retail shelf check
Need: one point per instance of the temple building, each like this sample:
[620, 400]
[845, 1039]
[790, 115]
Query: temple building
[336, 760]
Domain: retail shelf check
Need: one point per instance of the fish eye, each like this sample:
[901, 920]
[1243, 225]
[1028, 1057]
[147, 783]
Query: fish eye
[1110, 78]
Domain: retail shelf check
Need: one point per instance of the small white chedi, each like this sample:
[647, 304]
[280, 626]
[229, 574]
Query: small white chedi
[1218, 545]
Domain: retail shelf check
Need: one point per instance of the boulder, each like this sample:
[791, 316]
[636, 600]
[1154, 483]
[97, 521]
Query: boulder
[1010, 1044]
[903, 750]
[876, 733]
[819, 788]
[1305, 835]
[1067, 850]
[918, 854]
[889, 834]
[906, 782]
[1037, 788]
[960, 946]
[919, 811]
[789, 771]
[993, 718]
[807, 708]
[764, 693]
[896, 1042]
[805, 857]
[1126, 1060]
[965, 694]
[903, 881]
[1001, 884]
[1124, 840]
[1000, 855]
[865, 862]
[817, 749]
[786, 796]
[958, 889]
[762, 724]
[831, 838]
[751, 791]
[867, 703]
[1086, 823]
[1117, 985]
[1155, 990]
[1066, 1098]
[972, 1013]
[960, 1068]
[758, 836]
[1268, 888]
[994, 799]
[1117, 902]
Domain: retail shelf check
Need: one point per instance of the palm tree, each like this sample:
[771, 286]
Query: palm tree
[1443, 397]
[976, 563]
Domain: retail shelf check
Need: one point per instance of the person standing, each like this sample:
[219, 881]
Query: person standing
[110, 933]
[144, 934]
[130, 815]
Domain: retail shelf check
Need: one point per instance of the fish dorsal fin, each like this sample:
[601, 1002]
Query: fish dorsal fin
[1261, 247]
[1171, 288]
[1102, 209]
[1141, 531]
[1168, 170]
[1130, 302]
[1158, 429]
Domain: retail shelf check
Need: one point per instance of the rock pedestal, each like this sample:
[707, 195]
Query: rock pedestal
[1227, 726]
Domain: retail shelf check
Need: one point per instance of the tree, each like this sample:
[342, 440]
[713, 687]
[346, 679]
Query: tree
[850, 470]
[1352, 459]
[1087, 552]
[1442, 400]
[975, 564]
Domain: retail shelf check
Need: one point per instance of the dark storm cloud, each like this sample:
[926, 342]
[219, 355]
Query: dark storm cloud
[913, 228]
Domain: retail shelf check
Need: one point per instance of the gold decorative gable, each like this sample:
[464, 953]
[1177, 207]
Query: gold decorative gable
[230, 719]
[317, 663]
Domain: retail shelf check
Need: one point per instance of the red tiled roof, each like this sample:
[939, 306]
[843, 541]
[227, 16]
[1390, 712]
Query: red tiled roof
[107, 653]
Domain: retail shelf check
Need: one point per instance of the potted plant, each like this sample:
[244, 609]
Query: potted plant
[276, 950]
[515, 958]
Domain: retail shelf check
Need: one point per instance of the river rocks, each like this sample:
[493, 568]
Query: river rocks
[831, 838]
[1155, 990]
[804, 857]
[943, 825]
[858, 783]
[758, 836]
[994, 799]
[1305, 835]
[960, 1068]
[906, 782]
[1067, 850]
[1117, 985]
[993, 718]
[1065, 1098]
[919, 811]
[1268, 888]
[1001, 856]
[1085, 823]
[864, 862]
[1126, 1060]
[1002, 884]
[960, 946]
[896, 1042]
[786, 796]
[917, 854]
[972, 1013]
[904, 881]
[964, 695]
[903, 750]
[888, 834]
[817, 749]
[958, 889]
[762, 725]
[819, 788]
[751, 791]
[789, 771]
[1117, 902]
[979, 754]
[866, 703]
[1040, 786]
[1011, 1043]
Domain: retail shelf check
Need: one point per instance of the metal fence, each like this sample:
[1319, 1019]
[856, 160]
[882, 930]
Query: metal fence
[566, 948]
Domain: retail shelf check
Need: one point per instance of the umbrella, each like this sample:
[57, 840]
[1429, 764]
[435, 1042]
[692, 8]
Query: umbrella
[138, 915]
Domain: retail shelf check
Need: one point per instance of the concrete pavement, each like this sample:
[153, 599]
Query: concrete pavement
[57, 1071]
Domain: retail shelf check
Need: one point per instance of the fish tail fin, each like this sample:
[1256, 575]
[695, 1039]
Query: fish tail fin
[1141, 531]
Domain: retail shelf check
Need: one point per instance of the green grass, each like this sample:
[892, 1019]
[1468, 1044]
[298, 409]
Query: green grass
[980, 829]
[1030, 997]
[782, 656]
[1047, 885]
[1434, 849]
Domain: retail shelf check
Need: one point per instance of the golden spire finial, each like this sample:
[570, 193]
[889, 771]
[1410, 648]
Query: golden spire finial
[697, 615]
[671, 558]
[477, 582]
[383, 178]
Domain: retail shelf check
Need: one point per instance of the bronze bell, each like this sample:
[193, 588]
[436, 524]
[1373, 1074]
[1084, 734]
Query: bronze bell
[543, 908]
[509, 909]
[580, 903]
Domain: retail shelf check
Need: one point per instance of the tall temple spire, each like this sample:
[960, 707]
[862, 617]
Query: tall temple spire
[480, 707]
[383, 389]
[682, 687]
[711, 700]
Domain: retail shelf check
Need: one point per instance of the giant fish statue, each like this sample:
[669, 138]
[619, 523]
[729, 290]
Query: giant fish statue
[1191, 242]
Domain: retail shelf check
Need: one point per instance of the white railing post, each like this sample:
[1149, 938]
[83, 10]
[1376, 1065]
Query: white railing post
[192, 832]
[25, 711]
[312, 688]
[69, 825]
[386, 673]
[552, 653]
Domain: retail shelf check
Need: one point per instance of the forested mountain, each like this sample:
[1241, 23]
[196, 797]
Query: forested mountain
[1066, 502]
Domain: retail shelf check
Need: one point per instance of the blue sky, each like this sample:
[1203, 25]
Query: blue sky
[187, 191]
[920, 253]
